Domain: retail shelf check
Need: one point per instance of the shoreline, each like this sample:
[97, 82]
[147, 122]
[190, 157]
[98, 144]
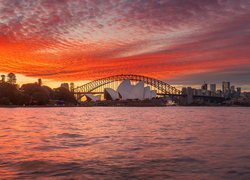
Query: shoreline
[122, 106]
[129, 103]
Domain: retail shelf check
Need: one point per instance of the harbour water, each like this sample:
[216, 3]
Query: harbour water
[125, 143]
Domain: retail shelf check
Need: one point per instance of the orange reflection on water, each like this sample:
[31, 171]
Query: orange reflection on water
[111, 142]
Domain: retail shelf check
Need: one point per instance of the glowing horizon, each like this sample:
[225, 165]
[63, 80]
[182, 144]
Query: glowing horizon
[81, 40]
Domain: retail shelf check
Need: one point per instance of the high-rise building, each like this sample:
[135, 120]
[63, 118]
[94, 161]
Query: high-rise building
[213, 87]
[189, 91]
[238, 91]
[184, 90]
[232, 88]
[204, 86]
[225, 87]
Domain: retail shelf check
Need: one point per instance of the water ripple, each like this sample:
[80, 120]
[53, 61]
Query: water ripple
[129, 143]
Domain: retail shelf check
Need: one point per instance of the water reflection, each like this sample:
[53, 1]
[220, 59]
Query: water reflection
[125, 143]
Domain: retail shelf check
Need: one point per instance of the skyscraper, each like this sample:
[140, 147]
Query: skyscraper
[204, 86]
[238, 91]
[213, 87]
[232, 88]
[225, 87]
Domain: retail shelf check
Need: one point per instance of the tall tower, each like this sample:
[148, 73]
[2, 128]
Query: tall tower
[225, 87]
[238, 92]
[204, 86]
[213, 87]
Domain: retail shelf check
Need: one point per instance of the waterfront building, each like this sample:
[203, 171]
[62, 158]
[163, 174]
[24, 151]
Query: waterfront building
[138, 90]
[126, 91]
[213, 87]
[189, 92]
[208, 93]
[147, 92]
[246, 94]
[111, 94]
[238, 91]
[184, 90]
[225, 87]
[195, 92]
[204, 86]
[199, 92]
[227, 91]
[232, 89]
[219, 93]
[91, 97]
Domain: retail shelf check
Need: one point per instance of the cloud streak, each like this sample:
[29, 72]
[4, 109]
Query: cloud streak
[87, 39]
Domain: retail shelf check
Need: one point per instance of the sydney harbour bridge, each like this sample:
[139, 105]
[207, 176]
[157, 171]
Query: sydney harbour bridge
[98, 86]
[162, 88]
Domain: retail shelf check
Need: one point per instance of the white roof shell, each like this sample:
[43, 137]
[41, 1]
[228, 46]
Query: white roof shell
[125, 90]
[112, 93]
[91, 97]
[138, 90]
[147, 93]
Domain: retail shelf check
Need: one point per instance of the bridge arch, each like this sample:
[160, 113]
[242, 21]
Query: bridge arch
[160, 86]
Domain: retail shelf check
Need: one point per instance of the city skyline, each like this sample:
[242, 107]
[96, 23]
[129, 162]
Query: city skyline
[205, 85]
[119, 87]
[181, 42]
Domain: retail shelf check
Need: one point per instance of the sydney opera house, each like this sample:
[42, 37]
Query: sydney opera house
[126, 91]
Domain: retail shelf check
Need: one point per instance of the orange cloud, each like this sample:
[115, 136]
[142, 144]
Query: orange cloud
[84, 40]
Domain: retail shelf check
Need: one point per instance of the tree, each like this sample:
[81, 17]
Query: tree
[11, 78]
[5, 101]
[72, 87]
[49, 91]
[65, 95]
[22, 99]
[2, 78]
[37, 95]
[8, 93]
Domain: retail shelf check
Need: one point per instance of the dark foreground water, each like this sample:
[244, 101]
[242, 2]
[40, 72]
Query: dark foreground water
[125, 143]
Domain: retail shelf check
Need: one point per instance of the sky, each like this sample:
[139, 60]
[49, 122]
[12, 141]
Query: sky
[183, 42]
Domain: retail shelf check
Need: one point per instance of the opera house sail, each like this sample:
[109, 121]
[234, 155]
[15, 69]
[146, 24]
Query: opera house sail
[111, 94]
[91, 97]
[127, 91]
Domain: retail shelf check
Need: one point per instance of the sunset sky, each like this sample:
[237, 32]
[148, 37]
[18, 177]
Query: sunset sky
[183, 42]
